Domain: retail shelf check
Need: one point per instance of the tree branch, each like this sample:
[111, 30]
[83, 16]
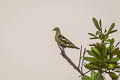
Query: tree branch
[83, 59]
[70, 61]
[85, 73]
[80, 56]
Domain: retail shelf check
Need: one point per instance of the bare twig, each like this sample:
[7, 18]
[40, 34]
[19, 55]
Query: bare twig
[117, 44]
[70, 61]
[80, 56]
[83, 59]
[85, 73]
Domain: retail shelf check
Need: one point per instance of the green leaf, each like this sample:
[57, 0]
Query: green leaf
[105, 37]
[111, 46]
[92, 53]
[102, 36]
[93, 60]
[96, 51]
[96, 24]
[100, 22]
[114, 60]
[113, 76]
[111, 27]
[92, 34]
[92, 44]
[113, 31]
[118, 55]
[111, 66]
[108, 57]
[98, 46]
[117, 66]
[92, 66]
[116, 51]
[98, 76]
[112, 41]
[86, 77]
[98, 32]
[92, 75]
[94, 38]
[118, 71]
[104, 49]
[105, 30]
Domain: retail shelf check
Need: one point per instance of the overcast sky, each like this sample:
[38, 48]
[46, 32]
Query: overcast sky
[28, 50]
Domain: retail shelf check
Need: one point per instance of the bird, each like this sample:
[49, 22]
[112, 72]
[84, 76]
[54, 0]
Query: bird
[63, 41]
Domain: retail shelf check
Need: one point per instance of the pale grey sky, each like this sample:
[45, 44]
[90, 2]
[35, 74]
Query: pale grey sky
[27, 47]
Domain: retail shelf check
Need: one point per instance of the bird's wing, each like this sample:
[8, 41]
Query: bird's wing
[65, 42]
[64, 39]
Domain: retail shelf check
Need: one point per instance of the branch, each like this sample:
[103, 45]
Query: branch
[117, 44]
[83, 59]
[80, 56]
[85, 73]
[70, 61]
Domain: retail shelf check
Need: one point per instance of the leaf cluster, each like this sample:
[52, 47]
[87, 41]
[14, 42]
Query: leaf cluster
[100, 34]
[105, 55]
[94, 76]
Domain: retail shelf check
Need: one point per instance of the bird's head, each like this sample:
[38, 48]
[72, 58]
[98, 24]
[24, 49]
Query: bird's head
[56, 29]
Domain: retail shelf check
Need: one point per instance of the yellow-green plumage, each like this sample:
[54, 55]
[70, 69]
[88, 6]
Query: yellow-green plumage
[63, 41]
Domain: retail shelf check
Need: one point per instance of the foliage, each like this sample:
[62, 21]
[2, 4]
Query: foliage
[94, 76]
[104, 55]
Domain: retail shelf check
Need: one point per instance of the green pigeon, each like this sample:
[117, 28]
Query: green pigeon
[63, 41]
